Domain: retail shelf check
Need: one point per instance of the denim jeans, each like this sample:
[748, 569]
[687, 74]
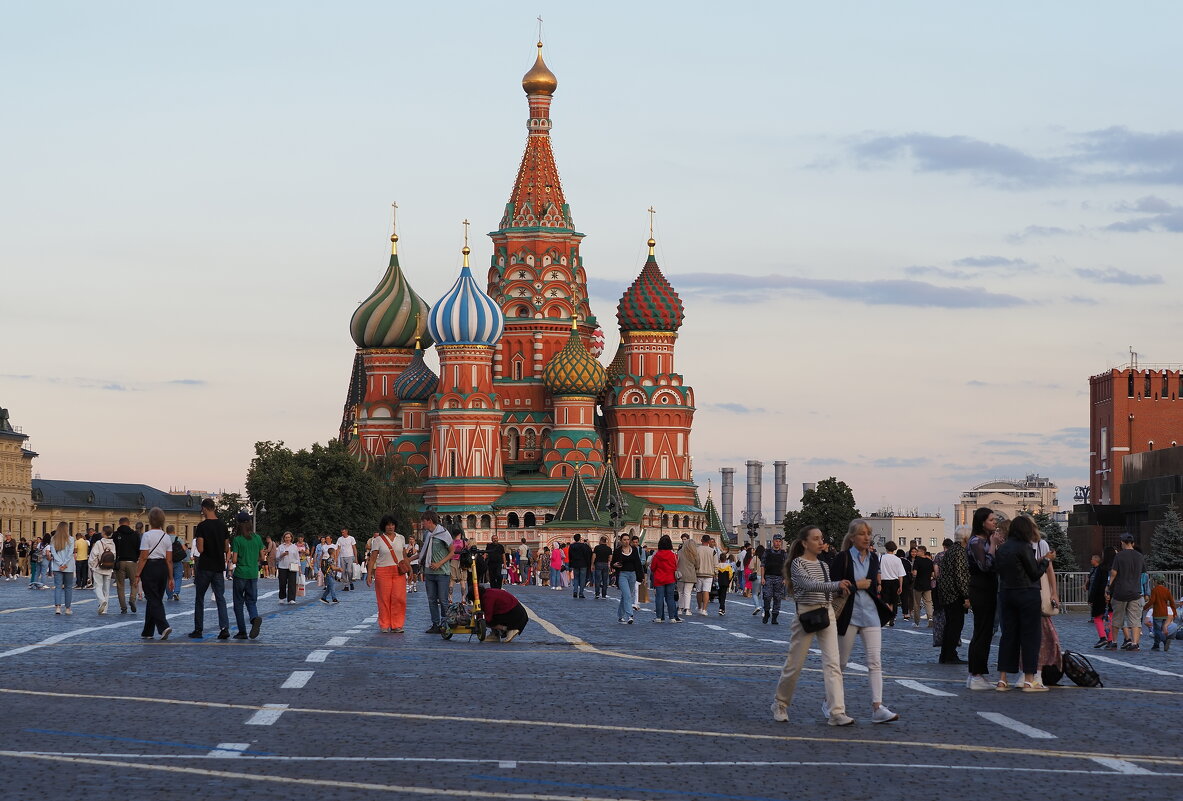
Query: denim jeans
[63, 588]
[556, 577]
[330, 590]
[34, 572]
[627, 581]
[246, 592]
[178, 576]
[437, 595]
[580, 582]
[1160, 630]
[601, 580]
[667, 599]
[207, 579]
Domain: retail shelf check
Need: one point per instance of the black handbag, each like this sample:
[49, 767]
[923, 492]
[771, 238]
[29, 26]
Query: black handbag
[814, 619]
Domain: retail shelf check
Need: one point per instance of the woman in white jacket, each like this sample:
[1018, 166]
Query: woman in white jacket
[61, 566]
[100, 571]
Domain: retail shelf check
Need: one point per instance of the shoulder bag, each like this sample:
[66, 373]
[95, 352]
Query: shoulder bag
[400, 560]
[814, 620]
[1047, 604]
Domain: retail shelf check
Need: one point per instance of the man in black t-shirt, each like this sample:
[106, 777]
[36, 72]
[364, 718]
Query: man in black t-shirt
[601, 560]
[213, 543]
[127, 554]
[579, 556]
[922, 573]
[494, 561]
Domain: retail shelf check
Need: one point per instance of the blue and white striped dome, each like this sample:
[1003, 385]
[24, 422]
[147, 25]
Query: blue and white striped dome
[465, 315]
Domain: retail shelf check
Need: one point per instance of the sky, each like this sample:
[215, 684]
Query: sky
[905, 233]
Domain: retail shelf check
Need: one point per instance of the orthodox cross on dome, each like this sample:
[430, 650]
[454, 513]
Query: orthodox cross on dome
[394, 227]
[652, 211]
[539, 28]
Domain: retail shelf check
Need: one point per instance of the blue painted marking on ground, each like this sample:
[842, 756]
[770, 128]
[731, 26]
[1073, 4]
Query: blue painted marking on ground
[624, 789]
[113, 738]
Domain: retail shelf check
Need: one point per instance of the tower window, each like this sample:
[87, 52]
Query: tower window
[1146, 381]
[636, 467]
[452, 463]
[511, 520]
[528, 520]
[1130, 392]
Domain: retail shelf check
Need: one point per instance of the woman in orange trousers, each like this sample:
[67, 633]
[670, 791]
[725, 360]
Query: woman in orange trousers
[385, 571]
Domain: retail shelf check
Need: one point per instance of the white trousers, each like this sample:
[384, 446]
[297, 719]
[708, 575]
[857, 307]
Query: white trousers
[686, 595]
[827, 642]
[102, 588]
[873, 645]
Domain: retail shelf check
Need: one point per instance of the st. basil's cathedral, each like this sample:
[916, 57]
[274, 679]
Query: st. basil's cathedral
[524, 433]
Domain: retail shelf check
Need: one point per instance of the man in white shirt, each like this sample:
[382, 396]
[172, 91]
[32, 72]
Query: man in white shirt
[891, 573]
[346, 556]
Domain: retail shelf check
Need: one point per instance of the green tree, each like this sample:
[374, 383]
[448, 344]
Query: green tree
[322, 489]
[396, 481]
[1057, 539]
[229, 505]
[829, 506]
[1166, 546]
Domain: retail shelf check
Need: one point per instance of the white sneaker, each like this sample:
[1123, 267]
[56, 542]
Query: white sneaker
[509, 635]
[883, 715]
[825, 710]
[841, 720]
[979, 683]
[780, 712]
[702, 612]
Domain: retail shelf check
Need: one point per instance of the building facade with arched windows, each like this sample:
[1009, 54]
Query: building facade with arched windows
[522, 408]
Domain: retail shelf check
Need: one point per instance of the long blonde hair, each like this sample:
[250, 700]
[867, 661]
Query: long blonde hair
[61, 537]
[855, 526]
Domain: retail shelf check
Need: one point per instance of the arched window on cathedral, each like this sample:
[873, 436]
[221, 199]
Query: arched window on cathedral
[531, 439]
[523, 311]
[486, 521]
[665, 520]
[516, 369]
[529, 521]
[549, 517]
[685, 521]
[511, 520]
[636, 467]
[470, 522]
[511, 443]
[452, 471]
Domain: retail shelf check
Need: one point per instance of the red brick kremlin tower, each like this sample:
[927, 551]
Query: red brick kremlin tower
[522, 413]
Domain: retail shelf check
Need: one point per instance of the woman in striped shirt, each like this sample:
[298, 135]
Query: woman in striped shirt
[809, 582]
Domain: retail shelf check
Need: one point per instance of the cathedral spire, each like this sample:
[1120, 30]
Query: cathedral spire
[537, 198]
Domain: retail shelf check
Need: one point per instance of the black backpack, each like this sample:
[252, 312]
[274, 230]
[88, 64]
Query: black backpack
[179, 553]
[1080, 670]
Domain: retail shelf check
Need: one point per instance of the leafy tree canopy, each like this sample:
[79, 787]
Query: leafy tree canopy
[323, 489]
[829, 506]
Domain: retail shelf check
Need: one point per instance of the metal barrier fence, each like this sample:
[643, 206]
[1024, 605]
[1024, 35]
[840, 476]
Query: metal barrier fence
[1072, 592]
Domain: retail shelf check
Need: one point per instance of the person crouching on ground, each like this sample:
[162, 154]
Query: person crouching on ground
[503, 612]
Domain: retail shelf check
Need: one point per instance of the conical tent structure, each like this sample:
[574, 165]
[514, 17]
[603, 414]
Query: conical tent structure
[576, 507]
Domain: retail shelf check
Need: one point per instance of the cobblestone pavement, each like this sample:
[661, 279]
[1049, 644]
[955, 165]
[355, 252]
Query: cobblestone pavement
[579, 706]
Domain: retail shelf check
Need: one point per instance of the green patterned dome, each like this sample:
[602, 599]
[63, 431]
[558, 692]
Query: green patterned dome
[650, 304]
[391, 315]
[573, 371]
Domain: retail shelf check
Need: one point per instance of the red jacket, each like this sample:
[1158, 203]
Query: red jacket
[496, 602]
[663, 565]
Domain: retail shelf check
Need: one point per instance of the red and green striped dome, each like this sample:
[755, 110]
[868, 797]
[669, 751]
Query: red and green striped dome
[650, 304]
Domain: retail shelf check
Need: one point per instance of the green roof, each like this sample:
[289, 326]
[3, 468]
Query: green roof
[537, 498]
[576, 506]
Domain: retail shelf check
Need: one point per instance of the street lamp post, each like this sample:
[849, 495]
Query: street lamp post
[753, 522]
[616, 513]
[257, 508]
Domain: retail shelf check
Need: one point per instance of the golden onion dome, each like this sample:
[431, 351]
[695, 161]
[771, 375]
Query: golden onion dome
[540, 80]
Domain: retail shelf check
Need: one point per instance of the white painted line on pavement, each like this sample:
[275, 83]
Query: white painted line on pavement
[229, 750]
[65, 635]
[266, 716]
[909, 631]
[924, 688]
[777, 642]
[1122, 766]
[354, 631]
[710, 626]
[857, 667]
[297, 680]
[373, 619]
[337, 641]
[319, 655]
[741, 635]
[1111, 661]
[1014, 725]
[507, 763]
